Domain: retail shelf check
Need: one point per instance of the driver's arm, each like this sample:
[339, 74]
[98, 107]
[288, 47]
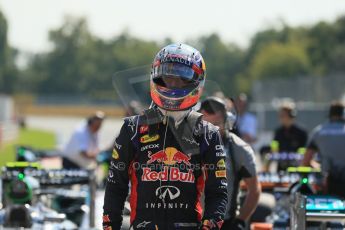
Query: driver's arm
[215, 184]
[84, 146]
[312, 148]
[244, 157]
[252, 198]
[308, 157]
[89, 155]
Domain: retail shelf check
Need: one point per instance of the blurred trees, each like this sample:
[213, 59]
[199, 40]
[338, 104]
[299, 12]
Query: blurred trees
[280, 60]
[80, 63]
[223, 61]
[326, 43]
[8, 72]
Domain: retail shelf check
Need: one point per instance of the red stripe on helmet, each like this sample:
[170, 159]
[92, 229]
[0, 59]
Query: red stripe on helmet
[155, 98]
[156, 63]
[190, 101]
[197, 69]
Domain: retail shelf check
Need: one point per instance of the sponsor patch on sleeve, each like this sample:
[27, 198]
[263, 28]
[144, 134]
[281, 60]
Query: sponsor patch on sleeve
[221, 163]
[106, 219]
[220, 223]
[220, 154]
[115, 154]
[221, 173]
[207, 223]
[219, 147]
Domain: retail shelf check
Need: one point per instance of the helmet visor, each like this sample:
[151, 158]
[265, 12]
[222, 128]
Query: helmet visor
[174, 93]
[174, 87]
[177, 70]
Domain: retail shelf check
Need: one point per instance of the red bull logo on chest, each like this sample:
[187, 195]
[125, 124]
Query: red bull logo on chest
[168, 174]
[169, 156]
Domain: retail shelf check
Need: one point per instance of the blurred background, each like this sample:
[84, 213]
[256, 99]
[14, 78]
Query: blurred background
[59, 58]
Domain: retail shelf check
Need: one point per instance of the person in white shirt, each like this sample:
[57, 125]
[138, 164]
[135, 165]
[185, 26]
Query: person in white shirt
[246, 122]
[83, 147]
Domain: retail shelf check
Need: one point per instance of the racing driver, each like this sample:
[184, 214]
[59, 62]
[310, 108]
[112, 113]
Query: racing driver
[170, 156]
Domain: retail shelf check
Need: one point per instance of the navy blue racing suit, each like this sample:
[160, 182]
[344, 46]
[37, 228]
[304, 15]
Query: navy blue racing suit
[169, 168]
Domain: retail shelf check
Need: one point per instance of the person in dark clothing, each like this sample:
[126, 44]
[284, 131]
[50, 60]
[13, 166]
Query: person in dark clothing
[289, 136]
[170, 156]
[240, 164]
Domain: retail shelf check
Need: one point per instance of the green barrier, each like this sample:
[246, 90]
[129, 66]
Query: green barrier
[302, 169]
[21, 164]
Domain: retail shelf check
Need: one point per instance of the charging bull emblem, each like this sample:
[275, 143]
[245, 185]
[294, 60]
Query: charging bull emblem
[170, 156]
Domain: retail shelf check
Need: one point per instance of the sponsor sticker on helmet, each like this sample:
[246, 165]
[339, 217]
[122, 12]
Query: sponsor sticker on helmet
[146, 138]
[176, 59]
